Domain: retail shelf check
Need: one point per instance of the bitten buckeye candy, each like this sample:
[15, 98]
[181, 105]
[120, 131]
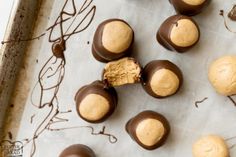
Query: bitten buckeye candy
[96, 102]
[210, 146]
[77, 150]
[222, 75]
[189, 7]
[113, 39]
[123, 71]
[149, 129]
[161, 78]
[178, 33]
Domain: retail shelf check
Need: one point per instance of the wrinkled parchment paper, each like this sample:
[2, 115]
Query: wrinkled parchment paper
[214, 116]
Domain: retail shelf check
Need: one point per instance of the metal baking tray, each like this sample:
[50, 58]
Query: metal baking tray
[30, 128]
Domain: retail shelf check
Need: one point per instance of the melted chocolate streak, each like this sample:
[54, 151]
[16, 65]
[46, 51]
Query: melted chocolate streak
[232, 100]
[58, 73]
[231, 15]
[200, 101]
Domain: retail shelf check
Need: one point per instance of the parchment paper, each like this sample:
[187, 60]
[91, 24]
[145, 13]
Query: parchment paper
[215, 116]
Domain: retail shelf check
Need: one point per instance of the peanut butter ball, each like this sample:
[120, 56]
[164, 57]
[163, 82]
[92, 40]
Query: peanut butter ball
[149, 129]
[210, 146]
[123, 71]
[77, 150]
[178, 33]
[189, 7]
[96, 102]
[113, 40]
[222, 75]
[161, 78]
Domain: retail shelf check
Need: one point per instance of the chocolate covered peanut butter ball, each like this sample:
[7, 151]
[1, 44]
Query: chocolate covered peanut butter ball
[77, 150]
[149, 129]
[189, 7]
[113, 40]
[96, 102]
[161, 78]
[178, 33]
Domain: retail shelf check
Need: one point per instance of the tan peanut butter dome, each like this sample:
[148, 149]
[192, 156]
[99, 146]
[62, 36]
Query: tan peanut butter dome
[94, 107]
[194, 2]
[164, 82]
[222, 75]
[184, 33]
[117, 36]
[210, 146]
[150, 131]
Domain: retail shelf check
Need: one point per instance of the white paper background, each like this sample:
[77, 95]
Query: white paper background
[215, 116]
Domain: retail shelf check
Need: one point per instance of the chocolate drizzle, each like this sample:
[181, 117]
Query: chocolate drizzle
[231, 16]
[54, 68]
[200, 101]
[112, 138]
[232, 100]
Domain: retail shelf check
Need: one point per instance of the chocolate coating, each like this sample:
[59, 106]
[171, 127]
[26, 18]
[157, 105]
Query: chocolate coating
[77, 150]
[100, 53]
[132, 124]
[154, 66]
[186, 9]
[163, 34]
[98, 88]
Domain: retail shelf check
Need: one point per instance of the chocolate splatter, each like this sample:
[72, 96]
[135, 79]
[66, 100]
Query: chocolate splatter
[54, 67]
[32, 118]
[10, 135]
[232, 100]
[112, 138]
[200, 101]
[12, 105]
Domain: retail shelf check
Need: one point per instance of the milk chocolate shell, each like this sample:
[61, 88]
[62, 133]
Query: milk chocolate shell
[178, 33]
[77, 150]
[161, 78]
[113, 40]
[189, 7]
[149, 129]
[123, 71]
[96, 102]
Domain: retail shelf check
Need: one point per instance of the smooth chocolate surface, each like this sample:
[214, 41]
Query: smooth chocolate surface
[77, 150]
[100, 53]
[99, 88]
[154, 66]
[132, 124]
[163, 34]
[186, 9]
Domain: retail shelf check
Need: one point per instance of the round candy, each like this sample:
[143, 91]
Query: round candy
[210, 146]
[96, 102]
[113, 40]
[161, 78]
[189, 7]
[178, 33]
[77, 150]
[149, 129]
[222, 75]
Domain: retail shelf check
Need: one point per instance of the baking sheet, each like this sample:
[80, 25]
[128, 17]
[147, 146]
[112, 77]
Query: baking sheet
[216, 115]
